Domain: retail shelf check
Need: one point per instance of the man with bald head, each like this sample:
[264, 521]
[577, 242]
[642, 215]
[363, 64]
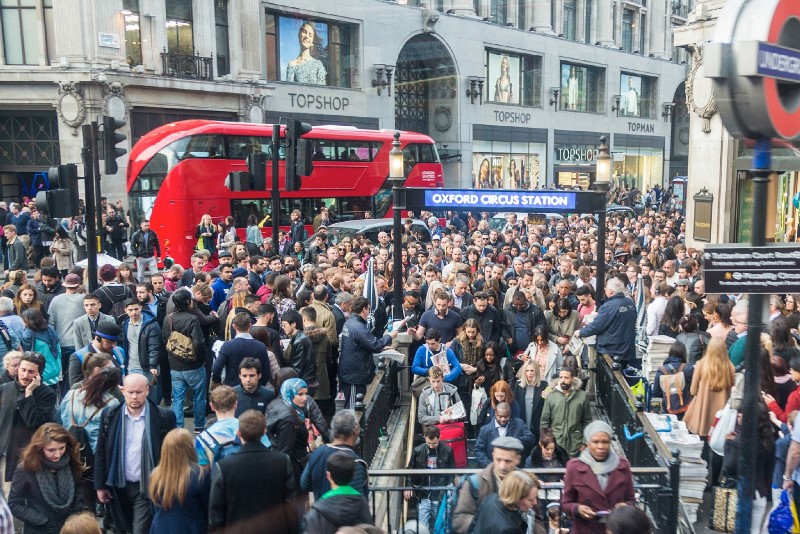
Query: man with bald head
[128, 449]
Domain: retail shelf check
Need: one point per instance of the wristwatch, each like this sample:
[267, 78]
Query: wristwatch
[786, 479]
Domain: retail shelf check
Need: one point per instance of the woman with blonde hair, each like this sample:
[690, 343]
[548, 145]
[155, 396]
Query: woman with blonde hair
[16, 279]
[83, 523]
[46, 488]
[505, 511]
[711, 387]
[179, 488]
[528, 391]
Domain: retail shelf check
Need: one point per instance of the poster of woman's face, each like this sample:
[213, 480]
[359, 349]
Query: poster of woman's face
[503, 78]
[631, 92]
[299, 35]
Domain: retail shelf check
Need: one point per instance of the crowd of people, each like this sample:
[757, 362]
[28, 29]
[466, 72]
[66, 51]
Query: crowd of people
[249, 347]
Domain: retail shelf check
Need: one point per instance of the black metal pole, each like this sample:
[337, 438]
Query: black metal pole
[397, 245]
[750, 446]
[601, 250]
[276, 191]
[675, 487]
[96, 166]
[91, 209]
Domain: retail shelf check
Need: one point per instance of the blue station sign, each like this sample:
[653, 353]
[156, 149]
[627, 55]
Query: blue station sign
[467, 199]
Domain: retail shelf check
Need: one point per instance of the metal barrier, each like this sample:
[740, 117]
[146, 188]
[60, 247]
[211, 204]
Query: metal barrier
[375, 408]
[648, 493]
[623, 409]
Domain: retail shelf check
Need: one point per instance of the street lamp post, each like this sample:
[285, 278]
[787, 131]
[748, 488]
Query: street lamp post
[602, 183]
[397, 179]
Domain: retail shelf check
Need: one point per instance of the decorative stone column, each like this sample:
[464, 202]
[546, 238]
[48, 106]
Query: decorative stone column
[658, 29]
[541, 16]
[605, 30]
[464, 8]
[247, 44]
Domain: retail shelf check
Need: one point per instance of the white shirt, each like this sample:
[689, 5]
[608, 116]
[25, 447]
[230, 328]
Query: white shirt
[501, 430]
[134, 433]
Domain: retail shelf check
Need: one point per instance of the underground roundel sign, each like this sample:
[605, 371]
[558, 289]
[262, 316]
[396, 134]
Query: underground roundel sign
[754, 62]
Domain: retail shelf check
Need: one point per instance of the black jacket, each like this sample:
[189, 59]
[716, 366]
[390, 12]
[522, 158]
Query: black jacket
[300, 355]
[110, 295]
[138, 248]
[149, 342]
[29, 505]
[188, 325]
[535, 317]
[419, 460]
[252, 492]
[328, 515]
[357, 347]
[20, 417]
[493, 516]
[288, 433]
[490, 321]
[46, 296]
[258, 400]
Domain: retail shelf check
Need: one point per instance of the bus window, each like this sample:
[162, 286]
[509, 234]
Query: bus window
[203, 146]
[349, 208]
[324, 149]
[239, 146]
[241, 209]
[382, 202]
[426, 154]
[355, 150]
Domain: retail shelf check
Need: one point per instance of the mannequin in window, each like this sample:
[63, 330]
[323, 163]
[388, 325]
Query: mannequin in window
[503, 91]
[572, 90]
[631, 106]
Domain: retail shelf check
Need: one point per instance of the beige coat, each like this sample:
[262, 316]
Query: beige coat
[62, 253]
[706, 403]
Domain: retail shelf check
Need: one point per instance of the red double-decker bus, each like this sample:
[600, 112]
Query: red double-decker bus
[178, 172]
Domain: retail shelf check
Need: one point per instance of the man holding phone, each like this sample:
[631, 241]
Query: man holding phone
[25, 405]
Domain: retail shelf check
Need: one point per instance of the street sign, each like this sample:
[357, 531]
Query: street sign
[742, 268]
[538, 201]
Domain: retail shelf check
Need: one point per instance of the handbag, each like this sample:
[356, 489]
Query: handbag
[723, 516]
[314, 436]
[478, 400]
[724, 425]
[180, 345]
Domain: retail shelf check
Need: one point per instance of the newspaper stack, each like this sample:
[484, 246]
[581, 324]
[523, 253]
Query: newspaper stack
[657, 351]
[693, 468]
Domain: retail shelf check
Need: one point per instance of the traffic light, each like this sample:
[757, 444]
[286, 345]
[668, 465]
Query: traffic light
[111, 138]
[61, 200]
[298, 154]
[239, 181]
[257, 167]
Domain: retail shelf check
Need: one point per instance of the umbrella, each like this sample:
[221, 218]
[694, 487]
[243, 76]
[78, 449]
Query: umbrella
[371, 293]
[641, 316]
[102, 259]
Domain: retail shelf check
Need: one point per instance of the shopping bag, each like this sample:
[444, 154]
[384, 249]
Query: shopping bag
[724, 425]
[478, 401]
[780, 520]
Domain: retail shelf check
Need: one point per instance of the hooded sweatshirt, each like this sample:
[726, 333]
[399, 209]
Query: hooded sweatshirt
[338, 508]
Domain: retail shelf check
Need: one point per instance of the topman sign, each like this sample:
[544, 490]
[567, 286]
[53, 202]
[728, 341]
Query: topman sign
[756, 68]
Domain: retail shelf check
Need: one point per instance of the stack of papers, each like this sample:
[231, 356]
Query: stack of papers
[456, 412]
[694, 469]
[657, 352]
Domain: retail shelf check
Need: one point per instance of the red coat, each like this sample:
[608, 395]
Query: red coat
[581, 487]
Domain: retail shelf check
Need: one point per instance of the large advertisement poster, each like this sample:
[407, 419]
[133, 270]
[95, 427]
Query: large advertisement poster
[514, 171]
[573, 87]
[303, 50]
[631, 92]
[504, 78]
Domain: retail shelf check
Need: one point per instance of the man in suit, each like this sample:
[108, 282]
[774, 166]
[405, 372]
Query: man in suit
[86, 325]
[122, 465]
[253, 490]
[341, 309]
[25, 405]
[462, 298]
[502, 425]
[237, 349]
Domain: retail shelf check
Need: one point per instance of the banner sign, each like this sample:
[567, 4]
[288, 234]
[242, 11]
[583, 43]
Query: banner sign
[467, 199]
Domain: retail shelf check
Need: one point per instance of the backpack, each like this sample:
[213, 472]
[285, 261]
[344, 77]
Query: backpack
[444, 516]
[221, 450]
[672, 386]
[5, 335]
[81, 436]
[180, 345]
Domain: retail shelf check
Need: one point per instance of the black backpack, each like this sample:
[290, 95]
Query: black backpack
[82, 437]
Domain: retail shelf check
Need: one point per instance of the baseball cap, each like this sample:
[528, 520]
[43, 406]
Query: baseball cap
[107, 272]
[72, 280]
